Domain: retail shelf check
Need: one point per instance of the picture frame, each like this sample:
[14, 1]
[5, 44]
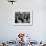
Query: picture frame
[23, 18]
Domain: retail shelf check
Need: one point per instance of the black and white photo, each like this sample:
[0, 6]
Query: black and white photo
[23, 18]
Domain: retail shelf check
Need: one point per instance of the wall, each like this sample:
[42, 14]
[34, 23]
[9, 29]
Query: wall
[9, 31]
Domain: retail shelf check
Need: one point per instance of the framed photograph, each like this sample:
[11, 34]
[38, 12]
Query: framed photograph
[23, 18]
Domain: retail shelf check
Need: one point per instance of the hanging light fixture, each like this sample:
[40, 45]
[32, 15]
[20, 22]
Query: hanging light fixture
[12, 1]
